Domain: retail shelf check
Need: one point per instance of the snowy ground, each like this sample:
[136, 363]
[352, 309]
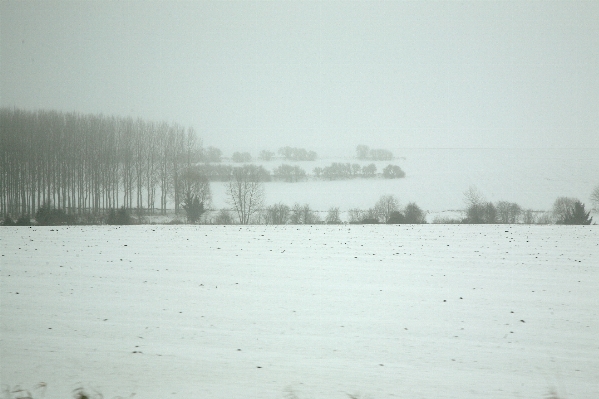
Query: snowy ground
[424, 311]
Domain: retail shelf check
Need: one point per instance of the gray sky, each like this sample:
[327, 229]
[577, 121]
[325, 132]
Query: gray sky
[253, 75]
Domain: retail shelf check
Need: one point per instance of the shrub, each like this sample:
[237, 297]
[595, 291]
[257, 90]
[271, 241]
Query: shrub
[277, 214]
[46, 215]
[302, 214]
[8, 221]
[193, 208]
[118, 217]
[24, 220]
[223, 217]
[396, 217]
[446, 220]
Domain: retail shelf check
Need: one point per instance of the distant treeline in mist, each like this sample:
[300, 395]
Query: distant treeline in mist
[85, 163]
[92, 162]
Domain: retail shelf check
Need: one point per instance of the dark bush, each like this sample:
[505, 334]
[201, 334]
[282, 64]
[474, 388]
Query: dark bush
[24, 220]
[8, 221]
[194, 209]
[396, 217]
[482, 213]
[119, 217]
[46, 215]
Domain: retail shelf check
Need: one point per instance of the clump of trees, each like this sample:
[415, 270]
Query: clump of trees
[240, 157]
[343, 171]
[297, 154]
[266, 155]
[223, 172]
[211, 154]
[93, 163]
[289, 173]
[303, 214]
[277, 214]
[570, 211]
[393, 172]
[479, 211]
[388, 210]
[363, 152]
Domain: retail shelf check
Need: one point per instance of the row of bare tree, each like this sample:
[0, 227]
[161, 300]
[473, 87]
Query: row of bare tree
[90, 163]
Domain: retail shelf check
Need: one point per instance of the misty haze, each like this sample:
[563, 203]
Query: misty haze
[299, 199]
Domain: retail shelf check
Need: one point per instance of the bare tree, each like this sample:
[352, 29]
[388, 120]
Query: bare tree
[193, 183]
[246, 193]
[386, 205]
[562, 206]
[595, 197]
[528, 217]
[355, 215]
[473, 196]
[333, 216]
[508, 212]
[302, 214]
[223, 217]
[277, 214]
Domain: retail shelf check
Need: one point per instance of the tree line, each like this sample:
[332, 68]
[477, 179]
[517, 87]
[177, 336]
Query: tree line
[91, 163]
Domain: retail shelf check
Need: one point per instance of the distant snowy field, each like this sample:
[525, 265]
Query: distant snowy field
[422, 311]
[437, 178]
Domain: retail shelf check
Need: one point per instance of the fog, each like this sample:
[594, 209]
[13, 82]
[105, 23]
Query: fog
[323, 75]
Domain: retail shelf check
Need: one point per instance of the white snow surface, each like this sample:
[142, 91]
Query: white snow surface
[421, 311]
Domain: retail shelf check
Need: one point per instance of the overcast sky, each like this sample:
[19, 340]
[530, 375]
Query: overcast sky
[252, 75]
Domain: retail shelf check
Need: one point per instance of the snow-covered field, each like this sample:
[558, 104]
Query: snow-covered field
[421, 311]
